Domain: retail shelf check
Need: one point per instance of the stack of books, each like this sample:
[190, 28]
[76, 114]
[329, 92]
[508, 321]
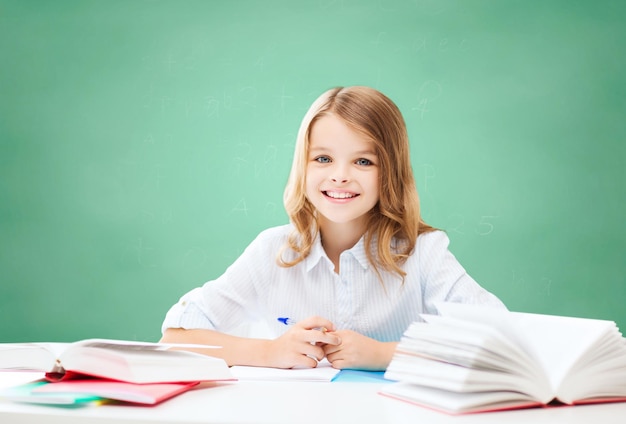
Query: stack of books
[100, 370]
[476, 359]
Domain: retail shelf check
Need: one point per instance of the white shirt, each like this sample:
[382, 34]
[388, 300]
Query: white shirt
[256, 288]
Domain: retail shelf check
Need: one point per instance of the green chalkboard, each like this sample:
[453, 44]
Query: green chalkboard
[144, 144]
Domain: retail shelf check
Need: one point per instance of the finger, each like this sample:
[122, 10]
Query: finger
[329, 349]
[336, 360]
[305, 361]
[322, 337]
[313, 351]
[316, 322]
[338, 364]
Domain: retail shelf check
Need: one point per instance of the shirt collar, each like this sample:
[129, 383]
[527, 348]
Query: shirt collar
[318, 254]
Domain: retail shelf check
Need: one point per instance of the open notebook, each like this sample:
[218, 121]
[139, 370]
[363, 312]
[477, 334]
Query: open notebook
[323, 372]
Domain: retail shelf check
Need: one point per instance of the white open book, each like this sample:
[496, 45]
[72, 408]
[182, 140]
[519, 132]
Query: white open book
[133, 362]
[475, 358]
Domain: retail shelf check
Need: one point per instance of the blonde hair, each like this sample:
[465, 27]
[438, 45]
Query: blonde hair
[395, 222]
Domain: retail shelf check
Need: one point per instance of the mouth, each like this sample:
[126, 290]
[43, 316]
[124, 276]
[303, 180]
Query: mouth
[339, 194]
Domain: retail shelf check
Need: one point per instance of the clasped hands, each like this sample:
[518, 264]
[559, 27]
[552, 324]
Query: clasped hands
[315, 338]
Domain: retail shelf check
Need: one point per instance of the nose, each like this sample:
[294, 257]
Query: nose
[339, 175]
[339, 180]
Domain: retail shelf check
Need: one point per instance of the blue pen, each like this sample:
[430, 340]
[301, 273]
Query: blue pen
[289, 321]
[286, 321]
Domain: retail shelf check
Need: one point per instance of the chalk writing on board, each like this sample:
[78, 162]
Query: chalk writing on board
[144, 252]
[485, 225]
[517, 281]
[212, 107]
[268, 158]
[288, 146]
[432, 7]
[228, 102]
[248, 96]
[166, 104]
[260, 63]
[234, 100]
[188, 108]
[194, 258]
[164, 216]
[256, 210]
[482, 226]
[169, 62]
[429, 174]
[158, 175]
[283, 97]
[427, 94]
[378, 42]
[149, 139]
[147, 103]
[241, 159]
[533, 286]
[546, 286]
[270, 209]
[458, 223]
[241, 207]
[247, 159]
[425, 44]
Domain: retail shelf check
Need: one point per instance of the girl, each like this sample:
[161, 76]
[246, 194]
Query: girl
[355, 266]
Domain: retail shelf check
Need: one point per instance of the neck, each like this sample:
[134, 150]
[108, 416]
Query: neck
[337, 238]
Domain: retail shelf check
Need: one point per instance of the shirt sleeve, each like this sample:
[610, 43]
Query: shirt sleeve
[186, 313]
[228, 302]
[444, 278]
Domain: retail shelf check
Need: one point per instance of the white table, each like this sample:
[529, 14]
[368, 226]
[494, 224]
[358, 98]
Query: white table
[290, 402]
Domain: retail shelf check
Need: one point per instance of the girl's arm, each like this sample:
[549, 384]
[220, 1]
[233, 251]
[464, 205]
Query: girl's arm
[297, 347]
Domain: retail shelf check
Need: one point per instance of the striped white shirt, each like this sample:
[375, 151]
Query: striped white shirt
[255, 288]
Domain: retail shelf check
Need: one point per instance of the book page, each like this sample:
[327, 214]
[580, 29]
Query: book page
[457, 403]
[559, 342]
[142, 346]
[323, 372]
[138, 365]
[30, 356]
[556, 343]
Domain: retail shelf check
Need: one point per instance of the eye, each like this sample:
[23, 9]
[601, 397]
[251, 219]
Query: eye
[322, 159]
[363, 162]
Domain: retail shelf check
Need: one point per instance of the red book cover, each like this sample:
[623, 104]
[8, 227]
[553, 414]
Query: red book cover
[147, 394]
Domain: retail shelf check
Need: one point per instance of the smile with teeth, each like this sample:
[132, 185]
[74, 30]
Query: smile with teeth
[340, 195]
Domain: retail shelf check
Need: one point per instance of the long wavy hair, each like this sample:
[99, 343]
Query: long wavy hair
[395, 222]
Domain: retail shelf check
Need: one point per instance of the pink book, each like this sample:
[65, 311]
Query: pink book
[147, 394]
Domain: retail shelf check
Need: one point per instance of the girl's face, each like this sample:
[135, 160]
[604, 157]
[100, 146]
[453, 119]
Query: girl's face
[342, 172]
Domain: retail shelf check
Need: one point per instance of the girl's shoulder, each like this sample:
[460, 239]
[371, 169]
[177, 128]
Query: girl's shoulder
[268, 241]
[274, 235]
[430, 243]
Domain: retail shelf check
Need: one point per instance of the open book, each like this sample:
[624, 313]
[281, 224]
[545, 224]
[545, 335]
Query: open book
[474, 358]
[132, 362]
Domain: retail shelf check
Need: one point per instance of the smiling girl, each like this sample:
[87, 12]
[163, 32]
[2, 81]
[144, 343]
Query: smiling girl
[356, 260]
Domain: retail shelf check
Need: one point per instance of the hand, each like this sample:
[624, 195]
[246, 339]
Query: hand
[357, 351]
[302, 345]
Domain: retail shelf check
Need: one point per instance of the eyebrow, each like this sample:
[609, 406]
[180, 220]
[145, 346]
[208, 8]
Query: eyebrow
[360, 152]
[366, 152]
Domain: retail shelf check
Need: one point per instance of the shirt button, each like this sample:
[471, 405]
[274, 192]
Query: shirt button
[183, 303]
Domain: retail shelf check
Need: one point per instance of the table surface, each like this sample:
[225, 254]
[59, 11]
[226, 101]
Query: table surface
[288, 402]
